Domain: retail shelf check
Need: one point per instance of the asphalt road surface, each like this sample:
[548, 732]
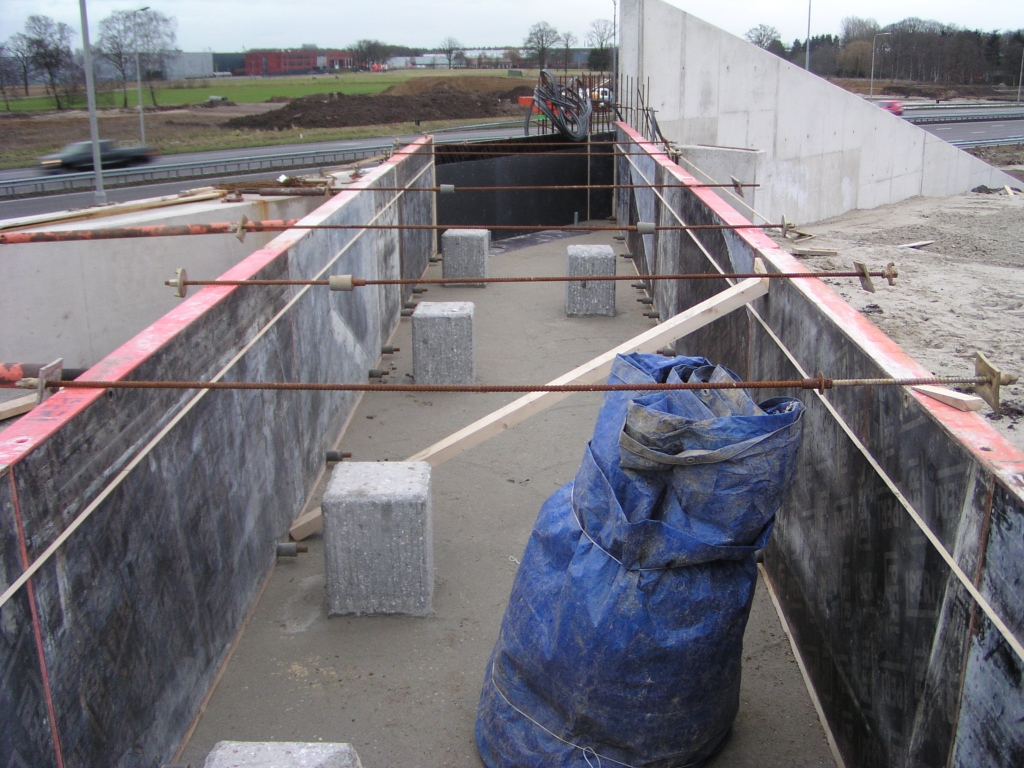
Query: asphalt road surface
[987, 131]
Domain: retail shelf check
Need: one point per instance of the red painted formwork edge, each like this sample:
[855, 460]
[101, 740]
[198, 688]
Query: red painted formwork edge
[33, 429]
[988, 447]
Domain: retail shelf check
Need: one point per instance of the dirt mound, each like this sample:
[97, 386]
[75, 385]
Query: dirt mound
[415, 86]
[336, 110]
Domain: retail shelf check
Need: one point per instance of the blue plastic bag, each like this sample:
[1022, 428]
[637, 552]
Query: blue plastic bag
[623, 636]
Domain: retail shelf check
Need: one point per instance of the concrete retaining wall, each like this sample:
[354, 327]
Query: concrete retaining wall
[826, 151]
[108, 650]
[908, 669]
[83, 300]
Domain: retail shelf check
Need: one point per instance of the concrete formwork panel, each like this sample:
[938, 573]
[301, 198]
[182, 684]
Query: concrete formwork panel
[186, 494]
[908, 670]
[703, 91]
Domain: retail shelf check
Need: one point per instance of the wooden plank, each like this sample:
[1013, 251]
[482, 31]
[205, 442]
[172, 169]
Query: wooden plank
[592, 372]
[814, 252]
[1009, 190]
[919, 244]
[11, 408]
[958, 400]
[306, 525]
[198, 195]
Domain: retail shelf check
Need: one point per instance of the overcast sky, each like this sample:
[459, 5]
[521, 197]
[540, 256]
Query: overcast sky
[234, 25]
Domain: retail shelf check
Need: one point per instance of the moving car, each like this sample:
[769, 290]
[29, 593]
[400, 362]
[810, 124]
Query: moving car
[891, 105]
[78, 156]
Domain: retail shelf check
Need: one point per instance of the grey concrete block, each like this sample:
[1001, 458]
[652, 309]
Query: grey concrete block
[282, 754]
[590, 298]
[464, 254]
[378, 538]
[444, 342]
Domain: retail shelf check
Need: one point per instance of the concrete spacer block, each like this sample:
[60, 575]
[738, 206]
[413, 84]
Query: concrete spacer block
[282, 754]
[378, 538]
[596, 298]
[465, 254]
[444, 342]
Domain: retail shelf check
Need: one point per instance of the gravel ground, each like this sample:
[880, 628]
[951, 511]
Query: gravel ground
[964, 292]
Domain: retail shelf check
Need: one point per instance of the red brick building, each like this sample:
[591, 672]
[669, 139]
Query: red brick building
[295, 61]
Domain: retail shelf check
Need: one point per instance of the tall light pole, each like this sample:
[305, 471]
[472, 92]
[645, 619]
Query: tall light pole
[90, 94]
[1020, 76]
[807, 56]
[875, 40]
[138, 72]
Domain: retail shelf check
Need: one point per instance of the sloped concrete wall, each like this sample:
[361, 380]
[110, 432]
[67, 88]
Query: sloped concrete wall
[179, 497]
[908, 669]
[82, 300]
[826, 151]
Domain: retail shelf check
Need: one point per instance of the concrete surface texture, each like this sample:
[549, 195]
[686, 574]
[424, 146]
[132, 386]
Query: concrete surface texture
[465, 253]
[281, 754]
[444, 342]
[404, 691]
[378, 539]
[584, 299]
[82, 300]
[824, 151]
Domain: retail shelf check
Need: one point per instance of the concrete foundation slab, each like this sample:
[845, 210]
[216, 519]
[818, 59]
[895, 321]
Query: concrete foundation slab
[584, 299]
[465, 253]
[443, 342]
[282, 754]
[378, 539]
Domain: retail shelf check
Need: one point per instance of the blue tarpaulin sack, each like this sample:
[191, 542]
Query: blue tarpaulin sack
[622, 641]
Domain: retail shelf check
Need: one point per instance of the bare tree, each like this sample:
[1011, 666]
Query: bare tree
[514, 57]
[366, 53]
[449, 47]
[600, 34]
[8, 77]
[156, 41]
[855, 28]
[50, 43]
[763, 36]
[117, 46]
[568, 40]
[19, 48]
[539, 41]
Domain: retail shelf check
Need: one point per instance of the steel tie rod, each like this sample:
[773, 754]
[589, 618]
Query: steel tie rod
[244, 226]
[348, 282]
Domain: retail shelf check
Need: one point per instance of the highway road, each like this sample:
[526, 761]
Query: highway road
[981, 131]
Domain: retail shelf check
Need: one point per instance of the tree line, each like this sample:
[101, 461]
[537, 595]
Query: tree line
[913, 49]
[45, 49]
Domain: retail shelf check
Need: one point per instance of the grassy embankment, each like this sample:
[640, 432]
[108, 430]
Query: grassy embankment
[26, 136]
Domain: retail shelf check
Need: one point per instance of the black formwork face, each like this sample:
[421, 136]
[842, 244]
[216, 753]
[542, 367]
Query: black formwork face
[516, 163]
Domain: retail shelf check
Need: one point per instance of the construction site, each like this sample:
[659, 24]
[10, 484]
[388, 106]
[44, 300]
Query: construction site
[272, 455]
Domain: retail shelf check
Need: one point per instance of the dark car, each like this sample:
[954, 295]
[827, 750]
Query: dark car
[891, 105]
[78, 156]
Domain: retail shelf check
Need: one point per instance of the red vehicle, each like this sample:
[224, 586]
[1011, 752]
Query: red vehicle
[891, 105]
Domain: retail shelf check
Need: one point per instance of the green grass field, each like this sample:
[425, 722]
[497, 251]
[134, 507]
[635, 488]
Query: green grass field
[241, 90]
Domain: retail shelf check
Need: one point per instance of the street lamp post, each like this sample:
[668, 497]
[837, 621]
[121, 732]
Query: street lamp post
[807, 53]
[875, 40]
[138, 72]
[1020, 76]
[90, 95]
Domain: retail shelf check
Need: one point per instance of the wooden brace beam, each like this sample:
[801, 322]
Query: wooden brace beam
[591, 372]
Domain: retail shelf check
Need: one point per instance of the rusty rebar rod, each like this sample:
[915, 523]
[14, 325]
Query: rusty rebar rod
[889, 273]
[820, 384]
[314, 190]
[281, 225]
